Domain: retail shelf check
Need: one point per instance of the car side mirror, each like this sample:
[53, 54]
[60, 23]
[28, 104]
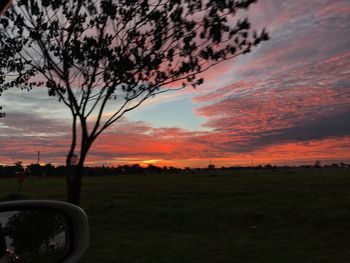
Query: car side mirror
[42, 231]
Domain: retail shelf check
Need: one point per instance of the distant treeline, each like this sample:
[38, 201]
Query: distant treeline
[18, 169]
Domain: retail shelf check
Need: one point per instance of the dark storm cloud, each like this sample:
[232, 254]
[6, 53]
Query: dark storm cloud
[333, 126]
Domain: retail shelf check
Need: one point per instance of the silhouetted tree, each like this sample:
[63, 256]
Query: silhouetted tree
[29, 230]
[9, 61]
[153, 169]
[335, 165]
[19, 167]
[99, 55]
[317, 164]
[268, 166]
[48, 169]
[35, 169]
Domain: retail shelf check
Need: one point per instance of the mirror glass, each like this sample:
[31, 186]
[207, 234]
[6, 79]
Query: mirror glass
[33, 236]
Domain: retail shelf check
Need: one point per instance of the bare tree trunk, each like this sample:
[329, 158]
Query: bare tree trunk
[71, 169]
[75, 174]
[74, 183]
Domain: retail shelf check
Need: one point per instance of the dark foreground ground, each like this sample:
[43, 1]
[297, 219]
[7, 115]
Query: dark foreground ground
[243, 216]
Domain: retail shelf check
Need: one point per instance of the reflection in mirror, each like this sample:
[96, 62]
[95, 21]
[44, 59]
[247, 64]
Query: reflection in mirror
[33, 236]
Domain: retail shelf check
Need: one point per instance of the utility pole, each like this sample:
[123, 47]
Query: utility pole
[38, 157]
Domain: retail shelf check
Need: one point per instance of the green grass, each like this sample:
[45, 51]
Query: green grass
[243, 216]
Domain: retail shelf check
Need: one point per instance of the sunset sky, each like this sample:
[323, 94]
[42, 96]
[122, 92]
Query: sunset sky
[287, 102]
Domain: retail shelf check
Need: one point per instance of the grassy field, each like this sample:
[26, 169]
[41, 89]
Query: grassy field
[243, 216]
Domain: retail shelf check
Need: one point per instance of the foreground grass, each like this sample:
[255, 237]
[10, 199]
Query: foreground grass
[247, 216]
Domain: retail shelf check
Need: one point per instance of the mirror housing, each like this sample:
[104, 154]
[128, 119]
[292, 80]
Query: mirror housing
[72, 220]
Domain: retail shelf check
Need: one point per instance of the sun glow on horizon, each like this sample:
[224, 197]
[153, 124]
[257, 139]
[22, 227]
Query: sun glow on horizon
[152, 161]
